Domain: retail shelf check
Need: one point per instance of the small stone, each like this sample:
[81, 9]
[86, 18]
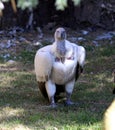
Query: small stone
[95, 43]
[81, 39]
[84, 32]
[11, 62]
[6, 56]
[37, 44]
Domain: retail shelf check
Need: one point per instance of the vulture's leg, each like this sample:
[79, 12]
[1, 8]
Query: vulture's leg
[69, 89]
[51, 89]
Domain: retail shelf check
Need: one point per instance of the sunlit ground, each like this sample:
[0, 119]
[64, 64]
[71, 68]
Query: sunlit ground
[23, 107]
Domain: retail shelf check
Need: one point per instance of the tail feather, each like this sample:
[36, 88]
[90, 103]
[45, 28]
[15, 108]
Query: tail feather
[60, 89]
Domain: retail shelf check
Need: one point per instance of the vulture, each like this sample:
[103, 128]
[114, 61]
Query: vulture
[58, 66]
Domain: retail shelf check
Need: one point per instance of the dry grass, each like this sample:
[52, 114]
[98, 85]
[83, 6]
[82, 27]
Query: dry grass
[23, 107]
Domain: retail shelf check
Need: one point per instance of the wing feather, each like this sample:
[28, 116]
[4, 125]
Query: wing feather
[81, 54]
[43, 65]
[42, 89]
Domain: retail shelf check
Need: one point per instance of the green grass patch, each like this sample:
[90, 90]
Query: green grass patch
[27, 56]
[23, 107]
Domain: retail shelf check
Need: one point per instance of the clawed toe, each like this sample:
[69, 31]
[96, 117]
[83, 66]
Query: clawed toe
[69, 103]
[53, 105]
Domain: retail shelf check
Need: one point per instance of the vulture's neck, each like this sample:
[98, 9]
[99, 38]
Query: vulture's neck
[60, 49]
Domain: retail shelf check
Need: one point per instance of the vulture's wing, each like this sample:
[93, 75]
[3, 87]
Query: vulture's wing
[81, 54]
[43, 65]
[42, 89]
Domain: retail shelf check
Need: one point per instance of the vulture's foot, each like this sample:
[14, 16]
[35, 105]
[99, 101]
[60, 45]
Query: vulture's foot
[53, 105]
[69, 103]
[52, 102]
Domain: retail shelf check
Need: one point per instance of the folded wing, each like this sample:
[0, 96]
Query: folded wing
[81, 55]
[43, 65]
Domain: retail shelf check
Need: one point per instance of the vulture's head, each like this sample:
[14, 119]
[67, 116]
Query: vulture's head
[60, 34]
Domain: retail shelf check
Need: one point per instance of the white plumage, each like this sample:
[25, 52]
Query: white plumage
[58, 66]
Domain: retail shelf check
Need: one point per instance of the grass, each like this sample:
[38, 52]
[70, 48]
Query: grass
[23, 107]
